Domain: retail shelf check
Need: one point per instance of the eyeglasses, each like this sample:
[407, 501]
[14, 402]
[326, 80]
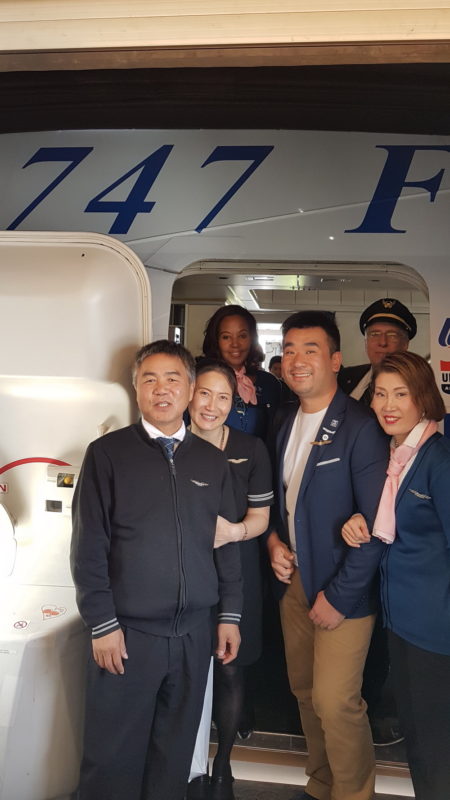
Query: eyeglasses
[390, 336]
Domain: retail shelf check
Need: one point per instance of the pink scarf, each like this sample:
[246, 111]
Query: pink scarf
[384, 525]
[246, 387]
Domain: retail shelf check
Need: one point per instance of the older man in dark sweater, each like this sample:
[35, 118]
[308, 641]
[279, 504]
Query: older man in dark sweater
[148, 580]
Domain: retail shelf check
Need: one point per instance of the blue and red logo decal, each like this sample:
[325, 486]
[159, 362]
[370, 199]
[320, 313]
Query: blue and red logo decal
[444, 336]
[445, 376]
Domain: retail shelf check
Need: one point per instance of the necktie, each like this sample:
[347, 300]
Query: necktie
[168, 443]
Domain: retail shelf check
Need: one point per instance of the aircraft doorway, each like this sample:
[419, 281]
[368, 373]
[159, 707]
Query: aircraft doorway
[271, 292]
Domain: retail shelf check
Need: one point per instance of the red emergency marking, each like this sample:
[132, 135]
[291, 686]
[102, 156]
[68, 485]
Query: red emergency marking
[21, 461]
[50, 611]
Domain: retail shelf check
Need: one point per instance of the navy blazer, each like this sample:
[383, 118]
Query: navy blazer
[415, 569]
[342, 477]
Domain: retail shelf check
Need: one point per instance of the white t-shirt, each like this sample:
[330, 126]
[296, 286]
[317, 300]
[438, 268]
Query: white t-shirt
[297, 452]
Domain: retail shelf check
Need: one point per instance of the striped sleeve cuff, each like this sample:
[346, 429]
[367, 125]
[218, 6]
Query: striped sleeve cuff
[264, 499]
[228, 617]
[105, 627]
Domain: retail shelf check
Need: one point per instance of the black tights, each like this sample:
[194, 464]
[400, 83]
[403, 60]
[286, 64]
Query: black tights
[228, 700]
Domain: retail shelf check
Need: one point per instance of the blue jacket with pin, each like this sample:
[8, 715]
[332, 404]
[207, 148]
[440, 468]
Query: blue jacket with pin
[344, 474]
[415, 569]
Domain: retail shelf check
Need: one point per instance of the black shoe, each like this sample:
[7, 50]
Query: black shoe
[243, 735]
[198, 789]
[385, 734]
[221, 788]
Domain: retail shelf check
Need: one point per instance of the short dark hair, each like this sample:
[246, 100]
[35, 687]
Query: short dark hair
[418, 377]
[211, 340]
[169, 349]
[315, 319]
[274, 360]
[217, 365]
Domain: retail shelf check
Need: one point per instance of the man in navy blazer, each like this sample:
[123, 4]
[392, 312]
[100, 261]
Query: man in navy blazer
[331, 463]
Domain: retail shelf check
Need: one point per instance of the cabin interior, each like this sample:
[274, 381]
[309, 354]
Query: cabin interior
[272, 291]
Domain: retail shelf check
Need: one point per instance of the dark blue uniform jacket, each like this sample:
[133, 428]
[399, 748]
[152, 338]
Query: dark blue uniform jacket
[344, 476]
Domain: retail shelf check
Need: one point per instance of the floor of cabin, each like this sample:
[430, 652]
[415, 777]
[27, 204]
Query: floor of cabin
[251, 790]
[272, 767]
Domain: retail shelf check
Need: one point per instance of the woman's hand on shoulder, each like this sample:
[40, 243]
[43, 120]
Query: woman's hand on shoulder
[355, 531]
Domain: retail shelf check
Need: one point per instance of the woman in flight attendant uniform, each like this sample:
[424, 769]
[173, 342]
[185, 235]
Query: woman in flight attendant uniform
[414, 520]
[231, 336]
[251, 477]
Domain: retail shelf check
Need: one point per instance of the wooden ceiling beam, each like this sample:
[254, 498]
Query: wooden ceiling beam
[260, 55]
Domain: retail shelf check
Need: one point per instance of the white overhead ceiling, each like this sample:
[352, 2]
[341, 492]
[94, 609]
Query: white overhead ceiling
[272, 287]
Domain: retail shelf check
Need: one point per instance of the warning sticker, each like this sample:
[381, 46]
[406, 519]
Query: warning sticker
[50, 611]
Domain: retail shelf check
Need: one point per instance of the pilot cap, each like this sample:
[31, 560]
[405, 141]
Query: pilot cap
[389, 310]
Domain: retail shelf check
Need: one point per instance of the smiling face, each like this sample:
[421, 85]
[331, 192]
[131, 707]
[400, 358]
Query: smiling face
[308, 367]
[163, 391]
[211, 402]
[234, 341]
[383, 338]
[394, 406]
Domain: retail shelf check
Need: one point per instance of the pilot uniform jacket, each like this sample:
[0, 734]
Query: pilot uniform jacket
[143, 534]
[415, 569]
[344, 476]
[349, 377]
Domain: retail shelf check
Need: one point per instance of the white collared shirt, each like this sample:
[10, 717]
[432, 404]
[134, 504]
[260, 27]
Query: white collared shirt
[154, 433]
[298, 448]
[361, 387]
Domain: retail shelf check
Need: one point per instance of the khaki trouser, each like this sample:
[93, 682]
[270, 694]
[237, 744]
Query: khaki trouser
[325, 674]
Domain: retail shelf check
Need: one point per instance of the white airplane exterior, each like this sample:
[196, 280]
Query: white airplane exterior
[181, 197]
[74, 307]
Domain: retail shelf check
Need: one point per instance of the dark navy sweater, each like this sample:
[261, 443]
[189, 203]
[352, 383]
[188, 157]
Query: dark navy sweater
[143, 533]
